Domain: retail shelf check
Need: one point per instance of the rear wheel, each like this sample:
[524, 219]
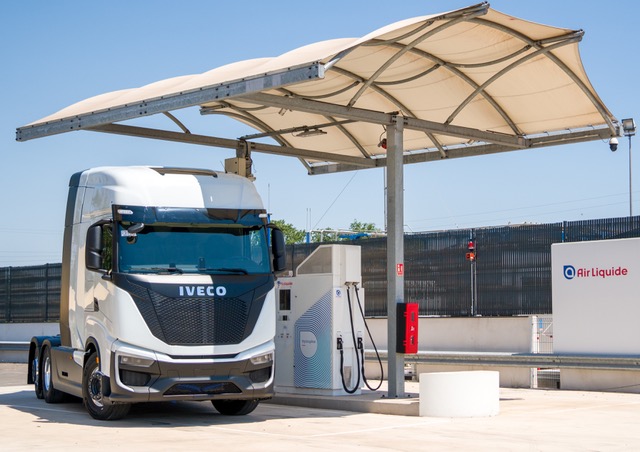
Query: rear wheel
[35, 374]
[235, 407]
[50, 394]
[93, 393]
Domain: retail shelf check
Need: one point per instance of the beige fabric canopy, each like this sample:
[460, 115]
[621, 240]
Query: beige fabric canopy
[466, 82]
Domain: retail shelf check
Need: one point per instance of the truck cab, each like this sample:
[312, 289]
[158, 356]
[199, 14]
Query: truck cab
[167, 292]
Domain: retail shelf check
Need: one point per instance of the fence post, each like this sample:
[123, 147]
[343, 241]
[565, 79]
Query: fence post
[4, 297]
[8, 305]
[46, 292]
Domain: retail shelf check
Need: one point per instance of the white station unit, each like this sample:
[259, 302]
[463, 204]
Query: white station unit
[595, 288]
[313, 318]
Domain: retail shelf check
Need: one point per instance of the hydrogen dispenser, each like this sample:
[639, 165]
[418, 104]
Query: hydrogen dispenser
[320, 324]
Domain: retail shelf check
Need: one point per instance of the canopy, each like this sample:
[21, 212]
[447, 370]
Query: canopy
[466, 82]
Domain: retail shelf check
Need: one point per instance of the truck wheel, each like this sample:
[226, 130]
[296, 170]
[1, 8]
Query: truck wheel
[235, 407]
[35, 374]
[92, 394]
[51, 394]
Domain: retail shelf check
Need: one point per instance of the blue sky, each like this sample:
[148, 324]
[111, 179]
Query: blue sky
[56, 53]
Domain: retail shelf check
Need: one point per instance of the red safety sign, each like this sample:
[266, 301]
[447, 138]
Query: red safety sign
[400, 269]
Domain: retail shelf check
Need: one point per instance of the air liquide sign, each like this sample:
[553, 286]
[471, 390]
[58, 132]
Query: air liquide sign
[571, 272]
[594, 290]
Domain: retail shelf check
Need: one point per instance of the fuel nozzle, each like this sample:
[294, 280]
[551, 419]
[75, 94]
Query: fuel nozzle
[339, 343]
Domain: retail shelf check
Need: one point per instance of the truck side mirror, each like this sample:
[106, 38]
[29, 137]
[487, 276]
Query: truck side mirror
[279, 250]
[93, 248]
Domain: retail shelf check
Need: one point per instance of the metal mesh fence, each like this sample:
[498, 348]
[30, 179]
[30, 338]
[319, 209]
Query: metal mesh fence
[30, 294]
[512, 271]
[612, 228]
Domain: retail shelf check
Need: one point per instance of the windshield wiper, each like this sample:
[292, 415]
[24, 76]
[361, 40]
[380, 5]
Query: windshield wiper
[175, 270]
[225, 269]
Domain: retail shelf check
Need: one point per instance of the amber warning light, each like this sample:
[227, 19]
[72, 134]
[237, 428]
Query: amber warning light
[471, 251]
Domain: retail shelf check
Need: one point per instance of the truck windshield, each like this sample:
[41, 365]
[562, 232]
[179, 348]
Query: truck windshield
[207, 248]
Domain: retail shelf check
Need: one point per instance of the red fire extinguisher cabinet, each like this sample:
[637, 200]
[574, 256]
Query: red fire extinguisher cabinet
[407, 328]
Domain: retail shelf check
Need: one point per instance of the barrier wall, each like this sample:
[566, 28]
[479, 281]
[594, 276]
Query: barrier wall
[14, 339]
[461, 334]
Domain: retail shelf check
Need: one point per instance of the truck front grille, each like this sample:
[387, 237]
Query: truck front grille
[194, 321]
[182, 320]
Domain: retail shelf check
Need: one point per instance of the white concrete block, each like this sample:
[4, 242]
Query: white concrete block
[460, 394]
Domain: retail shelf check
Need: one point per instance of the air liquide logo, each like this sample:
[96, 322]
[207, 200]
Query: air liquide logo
[202, 291]
[570, 272]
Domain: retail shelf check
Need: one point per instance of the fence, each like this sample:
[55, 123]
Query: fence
[512, 271]
[30, 294]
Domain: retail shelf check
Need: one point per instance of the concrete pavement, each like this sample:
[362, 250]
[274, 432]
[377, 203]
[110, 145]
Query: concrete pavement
[528, 420]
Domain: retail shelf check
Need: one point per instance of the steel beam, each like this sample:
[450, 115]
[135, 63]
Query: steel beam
[173, 101]
[205, 140]
[395, 251]
[376, 117]
[488, 359]
[579, 136]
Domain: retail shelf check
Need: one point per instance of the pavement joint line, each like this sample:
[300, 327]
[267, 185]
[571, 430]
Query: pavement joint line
[235, 430]
[390, 427]
[302, 408]
[591, 407]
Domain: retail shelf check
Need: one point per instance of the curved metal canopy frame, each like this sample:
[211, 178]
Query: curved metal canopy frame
[538, 44]
[234, 98]
[541, 47]
[481, 89]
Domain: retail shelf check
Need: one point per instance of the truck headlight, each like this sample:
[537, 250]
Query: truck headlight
[135, 361]
[262, 359]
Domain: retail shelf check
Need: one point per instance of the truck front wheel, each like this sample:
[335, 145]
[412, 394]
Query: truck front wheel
[93, 394]
[235, 407]
[51, 394]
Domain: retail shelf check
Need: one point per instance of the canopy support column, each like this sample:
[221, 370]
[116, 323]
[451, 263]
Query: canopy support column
[395, 251]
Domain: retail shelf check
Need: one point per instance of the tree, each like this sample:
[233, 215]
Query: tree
[357, 230]
[291, 234]
[324, 235]
[357, 226]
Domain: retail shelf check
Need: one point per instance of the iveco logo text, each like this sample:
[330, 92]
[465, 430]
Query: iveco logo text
[570, 272]
[202, 291]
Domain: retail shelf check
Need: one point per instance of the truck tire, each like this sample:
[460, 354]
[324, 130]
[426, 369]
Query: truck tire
[37, 375]
[235, 407]
[50, 394]
[92, 394]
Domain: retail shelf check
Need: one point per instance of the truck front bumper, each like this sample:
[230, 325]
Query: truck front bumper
[134, 378]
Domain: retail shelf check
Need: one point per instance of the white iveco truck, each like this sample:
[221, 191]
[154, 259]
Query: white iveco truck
[167, 293]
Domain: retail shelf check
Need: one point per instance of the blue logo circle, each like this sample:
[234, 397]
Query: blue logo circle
[569, 271]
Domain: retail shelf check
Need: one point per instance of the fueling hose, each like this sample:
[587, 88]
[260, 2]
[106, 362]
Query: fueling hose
[361, 347]
[341, 348]
[360, 359]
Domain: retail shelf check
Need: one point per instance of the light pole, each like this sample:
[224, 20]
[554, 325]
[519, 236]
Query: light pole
[629, 130]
